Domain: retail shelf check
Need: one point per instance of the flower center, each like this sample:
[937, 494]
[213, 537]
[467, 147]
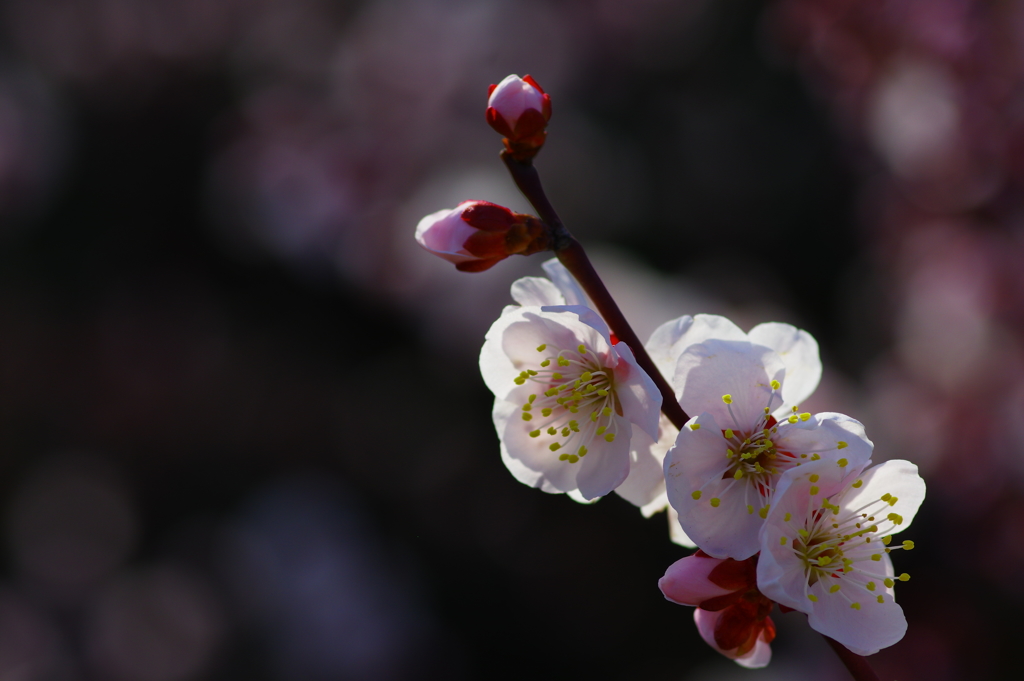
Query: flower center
[575, 401]
[840, 546]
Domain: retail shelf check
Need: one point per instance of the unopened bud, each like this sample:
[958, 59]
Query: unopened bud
[519, 110]
[476, 234]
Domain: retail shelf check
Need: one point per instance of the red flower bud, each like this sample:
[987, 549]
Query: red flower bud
[476, 234]
[519, 110]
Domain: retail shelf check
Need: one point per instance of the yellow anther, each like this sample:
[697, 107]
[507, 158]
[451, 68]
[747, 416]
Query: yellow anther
[546, 363]
[824, 560]
[764, 512]
[787, 517]
[793, 419]
[575, 425]
[870, 586]
[593, 416]
[815, 457]
[886, 497]
[582, 349]
[583, 451]
[565, 431]
[803, 456]
[527, 416]
[892, 502]
[601, 429]
[841, 445]
[805, 416]
[610, 437]
[775, 385]
[554, 446]
[803, 533]
[546, 411]
[563, 457]
[519, 380]
[834, 588]
[814, 490]
[795, 409]
[574, 409]
[563, 362]
[857, 484]
[572, 458]
[782, 540]
[532, 398]
[766, 410]
[589, 389]
[855, 606]
[904, 577]
[696, 494]
[715, 501]
[694, 426]
[534, 433]
[887, 539]
[896, 518]
[729, 453]
[880, 599]
[727, 399]
[576, 384]
[557, 376]
[728, 433]
[527, 407]
[551, 392]
[542, 347]
[607, 411]
[812, 598]
[750, 509]
[813, 478]
[908, 545]
[842, 463]
[888, 582]
[552, 431]
[602, 393]
[532, 372]
[586, 376]
[738, 474]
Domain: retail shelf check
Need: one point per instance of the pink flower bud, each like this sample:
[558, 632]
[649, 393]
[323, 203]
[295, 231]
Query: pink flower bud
[477, 234]
[738, 633]
[686, 581]
[519, 110]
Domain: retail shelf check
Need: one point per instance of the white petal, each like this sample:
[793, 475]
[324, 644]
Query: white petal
[566, 284]
[676, 533]
[495, 366]
[645, 485]
[606, 464]
[865, 631]
[670, 339]
[697, 462]
[536, 292]
[708, 371]
[529, 459]
[799, 352]
[636, 392]
[898, 478]
[822, 434]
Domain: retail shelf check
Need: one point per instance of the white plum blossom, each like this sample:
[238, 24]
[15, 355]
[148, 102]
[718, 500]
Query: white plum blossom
[826, 544]
[747, 429]
[566, 396]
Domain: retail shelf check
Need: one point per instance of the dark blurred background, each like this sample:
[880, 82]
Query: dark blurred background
[242, 433]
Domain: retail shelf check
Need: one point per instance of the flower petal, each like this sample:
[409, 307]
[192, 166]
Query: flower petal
[536, 292]
[697, 464]
[709, 370]
[898, 478]
[676, 533]
[821, 435]
[864, 631]
[606, 464]
[528, 459]
[566, 284]
[758, 656]
[686, 581]
[636, 392]
[645, 485]
[670, 339]
[798, 351]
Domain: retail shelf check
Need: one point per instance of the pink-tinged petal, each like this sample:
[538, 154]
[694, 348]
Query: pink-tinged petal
[709, 370]
[676, 533]
[697, 464]
[586, 316]
[864, 631]
[830, 436]
[444, 234]
[897, 478]
[670, 339]
[496, 367]
[513, 96]
[606, 464]
[758, 656]
[686, 581]
[566, 284]
[637, 393]
[536, 292]
[645, 485]
[529, 459]
[798, 351]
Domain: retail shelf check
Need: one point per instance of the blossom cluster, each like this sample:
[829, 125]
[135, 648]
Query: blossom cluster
[783, 505]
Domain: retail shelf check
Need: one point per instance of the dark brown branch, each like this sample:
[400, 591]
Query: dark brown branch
[572, 255]
[857, 665]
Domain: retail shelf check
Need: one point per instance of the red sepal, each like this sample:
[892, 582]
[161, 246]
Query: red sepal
[734, 574]
[489, 217]
[490, 90]
[721, 602]
[486, 244]
[614, 338]
[531, 123]
[498, 122]
[784, 609]
[529, 79]
[736, 627]
[477, 265]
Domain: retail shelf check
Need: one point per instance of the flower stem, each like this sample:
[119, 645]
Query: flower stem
[572, 255]
[858, 666]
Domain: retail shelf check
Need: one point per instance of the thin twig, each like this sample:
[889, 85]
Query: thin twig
[572, 255]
